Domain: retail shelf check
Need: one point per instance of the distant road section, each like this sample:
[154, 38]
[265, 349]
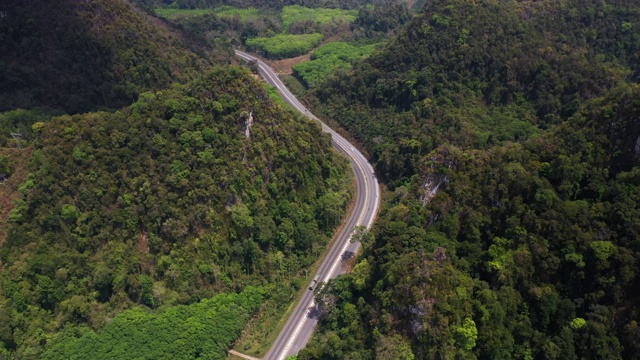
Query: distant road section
[299, 327]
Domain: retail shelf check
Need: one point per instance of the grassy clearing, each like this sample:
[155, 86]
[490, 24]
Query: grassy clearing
[285, 45]
[174, 13]
[296, 13]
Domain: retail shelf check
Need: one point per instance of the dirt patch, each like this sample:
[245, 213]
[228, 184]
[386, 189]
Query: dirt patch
[143, 243]
[283, 67]
[9, 188]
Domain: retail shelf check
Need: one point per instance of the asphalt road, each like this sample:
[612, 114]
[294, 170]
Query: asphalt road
[300, 325]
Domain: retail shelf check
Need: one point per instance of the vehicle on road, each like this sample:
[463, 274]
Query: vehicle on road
[314, 282]
[299, 327]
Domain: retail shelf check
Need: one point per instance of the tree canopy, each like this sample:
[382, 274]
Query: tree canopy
[508, 134]
[166, 202]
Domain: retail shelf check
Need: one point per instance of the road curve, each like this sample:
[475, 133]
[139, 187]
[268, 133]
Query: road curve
[300, 325]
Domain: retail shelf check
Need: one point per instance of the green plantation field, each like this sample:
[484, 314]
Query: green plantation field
[244, 14]
[201, 330]
[296, 13]
[222, 11]
[174, 13]
[329, 57]
[284, 45]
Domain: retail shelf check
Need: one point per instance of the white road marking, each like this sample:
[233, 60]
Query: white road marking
[358, 159]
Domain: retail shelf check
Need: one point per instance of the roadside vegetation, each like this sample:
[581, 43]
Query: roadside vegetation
[294, 85]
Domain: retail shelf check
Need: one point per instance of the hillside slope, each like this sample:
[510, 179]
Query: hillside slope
[477, 75]
[82, 55]
[166, 202]
[508, 132]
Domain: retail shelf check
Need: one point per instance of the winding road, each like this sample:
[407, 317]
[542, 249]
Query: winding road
[300, 325]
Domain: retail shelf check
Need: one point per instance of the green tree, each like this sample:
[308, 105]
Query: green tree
[394, 347]
[146, 291]
[467, 334]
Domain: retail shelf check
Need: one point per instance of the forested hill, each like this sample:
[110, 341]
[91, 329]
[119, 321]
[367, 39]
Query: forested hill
[82, 55]
[480, 73]
[202, 188]
[508, 133]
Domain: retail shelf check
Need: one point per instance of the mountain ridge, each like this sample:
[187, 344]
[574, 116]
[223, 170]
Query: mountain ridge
[80, 56]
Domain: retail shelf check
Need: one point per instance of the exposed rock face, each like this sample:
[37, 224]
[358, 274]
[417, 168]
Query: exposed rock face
[430, 187]
[248, 123]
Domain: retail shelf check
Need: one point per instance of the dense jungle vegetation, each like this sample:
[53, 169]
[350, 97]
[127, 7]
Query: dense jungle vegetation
[198, 189]
[508, 134]
[152, 215]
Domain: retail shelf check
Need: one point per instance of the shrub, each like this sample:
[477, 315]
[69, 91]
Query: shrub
[5, 165]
